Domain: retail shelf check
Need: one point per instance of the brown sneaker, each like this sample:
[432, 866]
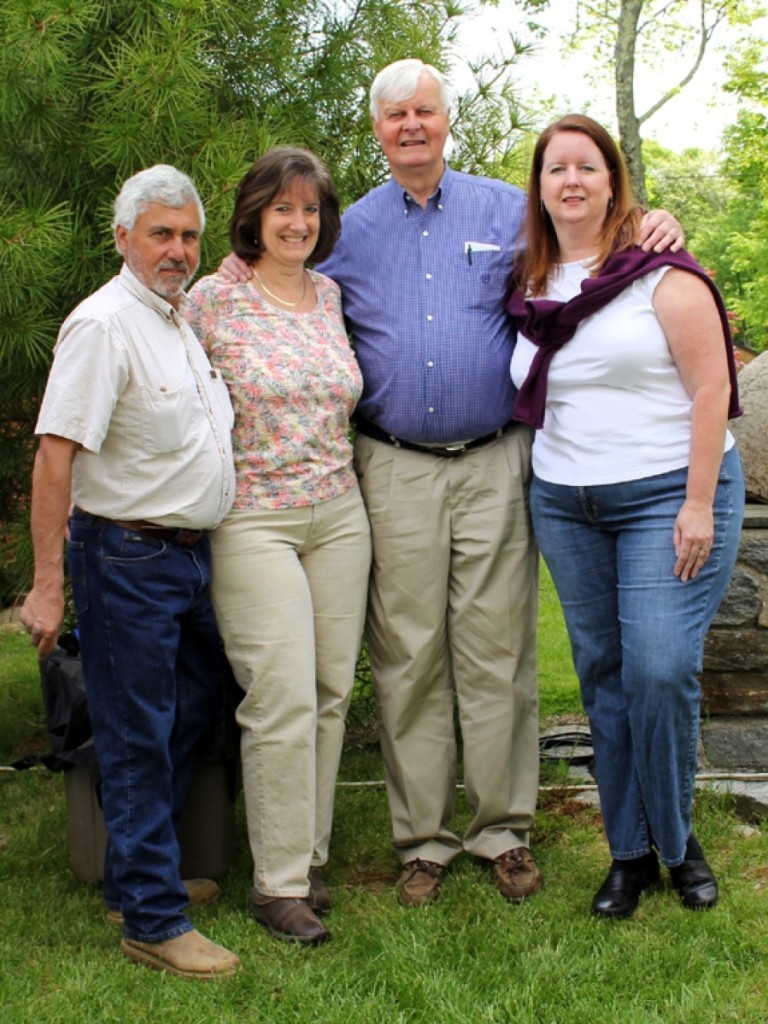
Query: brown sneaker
[420, 882]
[199, 892]
[515, 874]
[289, 919]
[319, 899]
[190, 955]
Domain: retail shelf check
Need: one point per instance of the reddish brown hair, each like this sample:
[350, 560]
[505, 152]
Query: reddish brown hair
[541, 252]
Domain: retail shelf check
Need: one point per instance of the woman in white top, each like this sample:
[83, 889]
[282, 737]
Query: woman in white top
[625, 366]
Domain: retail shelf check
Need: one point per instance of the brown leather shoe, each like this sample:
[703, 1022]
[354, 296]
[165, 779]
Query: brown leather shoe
[289, 919]
[319, 899]
[199, 892]
[420, 882]
[515, 874]
[190, 955]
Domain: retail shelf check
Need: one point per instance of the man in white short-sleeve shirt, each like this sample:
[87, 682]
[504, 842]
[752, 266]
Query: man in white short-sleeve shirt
[135, 452]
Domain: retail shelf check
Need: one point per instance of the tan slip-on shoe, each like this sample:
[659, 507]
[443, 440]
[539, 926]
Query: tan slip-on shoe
[199, 892]
[420, 882]
[190, 955]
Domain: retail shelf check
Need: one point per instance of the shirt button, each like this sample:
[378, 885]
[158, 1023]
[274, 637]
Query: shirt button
[430, 363]
[431, 408]
[425, 234]
[439, 206]
[428, 277]
[430, 318]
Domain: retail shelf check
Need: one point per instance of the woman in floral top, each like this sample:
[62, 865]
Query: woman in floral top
[291, 561]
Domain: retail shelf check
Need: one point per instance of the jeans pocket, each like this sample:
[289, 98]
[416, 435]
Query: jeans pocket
[132, 546]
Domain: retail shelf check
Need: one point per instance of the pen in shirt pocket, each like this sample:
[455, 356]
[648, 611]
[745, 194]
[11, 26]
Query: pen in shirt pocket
[473, 247]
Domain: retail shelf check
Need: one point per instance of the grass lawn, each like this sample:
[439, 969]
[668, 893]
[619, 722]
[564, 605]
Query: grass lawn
[468, 959]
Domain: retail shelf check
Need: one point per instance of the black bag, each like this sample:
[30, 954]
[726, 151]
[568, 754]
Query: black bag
[66, 711]
[66, 707]
[69, 723]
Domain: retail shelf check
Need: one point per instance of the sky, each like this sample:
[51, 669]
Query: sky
[693, 119]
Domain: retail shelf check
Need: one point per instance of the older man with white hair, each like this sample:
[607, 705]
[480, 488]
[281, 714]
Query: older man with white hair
[135, 439]
[422, 263]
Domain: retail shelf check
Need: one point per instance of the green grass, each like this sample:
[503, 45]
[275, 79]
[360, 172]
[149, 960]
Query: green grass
[469, 959]
[558, 685]
[22, 724]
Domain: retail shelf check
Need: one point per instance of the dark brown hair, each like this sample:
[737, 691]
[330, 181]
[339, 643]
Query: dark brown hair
[541, 251]
[271, 175]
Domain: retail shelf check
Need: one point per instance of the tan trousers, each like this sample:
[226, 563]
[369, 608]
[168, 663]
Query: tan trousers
[289, 589]
[453, 604]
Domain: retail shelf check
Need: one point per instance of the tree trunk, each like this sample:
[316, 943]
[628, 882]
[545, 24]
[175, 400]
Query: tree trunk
[629, 126]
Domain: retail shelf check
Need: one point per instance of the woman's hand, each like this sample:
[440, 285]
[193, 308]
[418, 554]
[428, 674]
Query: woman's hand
[694, 534]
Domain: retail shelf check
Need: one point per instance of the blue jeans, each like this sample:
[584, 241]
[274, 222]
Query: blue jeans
[637, 636]
[152, 668]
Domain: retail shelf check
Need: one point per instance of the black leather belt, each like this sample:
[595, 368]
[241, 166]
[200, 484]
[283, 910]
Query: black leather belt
[174, 535]
[448, 451]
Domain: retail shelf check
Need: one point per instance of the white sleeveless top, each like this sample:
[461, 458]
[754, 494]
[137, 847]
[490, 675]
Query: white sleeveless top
[616, 407]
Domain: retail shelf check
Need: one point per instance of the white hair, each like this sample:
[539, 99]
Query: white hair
[400, 80]
[159, 184]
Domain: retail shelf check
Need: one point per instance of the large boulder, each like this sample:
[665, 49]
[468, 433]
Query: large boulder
[751, 429]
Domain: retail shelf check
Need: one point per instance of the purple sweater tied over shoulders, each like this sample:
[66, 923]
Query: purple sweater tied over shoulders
[550, 324]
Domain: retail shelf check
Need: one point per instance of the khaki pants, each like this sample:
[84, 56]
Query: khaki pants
[453, 604]
[289, 590]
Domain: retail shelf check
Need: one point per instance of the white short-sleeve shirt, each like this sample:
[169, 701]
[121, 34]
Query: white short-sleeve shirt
[133, 386]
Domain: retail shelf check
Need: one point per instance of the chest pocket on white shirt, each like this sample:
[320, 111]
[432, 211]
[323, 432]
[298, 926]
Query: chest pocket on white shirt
[168, 418]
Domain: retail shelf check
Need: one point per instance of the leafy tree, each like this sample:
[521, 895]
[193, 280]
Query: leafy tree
[638, 29]
[92, 91]
[622, 35]
[733, 241]
[690, 184]
[695, 187]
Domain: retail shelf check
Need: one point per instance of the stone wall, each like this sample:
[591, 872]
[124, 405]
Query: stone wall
[751, 429]
[734, 682]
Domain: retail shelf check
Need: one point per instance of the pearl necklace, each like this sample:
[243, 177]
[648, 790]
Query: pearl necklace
[277, 298]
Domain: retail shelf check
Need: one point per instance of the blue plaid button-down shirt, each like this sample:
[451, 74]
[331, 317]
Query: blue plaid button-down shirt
[423, 293]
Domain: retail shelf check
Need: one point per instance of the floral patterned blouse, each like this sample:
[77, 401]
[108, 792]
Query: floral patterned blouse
[294, 382]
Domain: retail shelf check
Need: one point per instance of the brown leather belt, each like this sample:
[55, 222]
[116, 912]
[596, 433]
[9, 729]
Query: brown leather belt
[448, 451]
[174, 535]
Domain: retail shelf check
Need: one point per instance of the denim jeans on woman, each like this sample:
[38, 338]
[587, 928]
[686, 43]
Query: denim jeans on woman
[637, 636]
[152, 669]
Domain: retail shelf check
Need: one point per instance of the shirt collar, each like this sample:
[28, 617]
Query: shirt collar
[129, 281]
[437, 198]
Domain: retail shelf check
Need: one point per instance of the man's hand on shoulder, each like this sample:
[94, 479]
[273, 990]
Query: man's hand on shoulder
[660, 231]
[234, 270]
